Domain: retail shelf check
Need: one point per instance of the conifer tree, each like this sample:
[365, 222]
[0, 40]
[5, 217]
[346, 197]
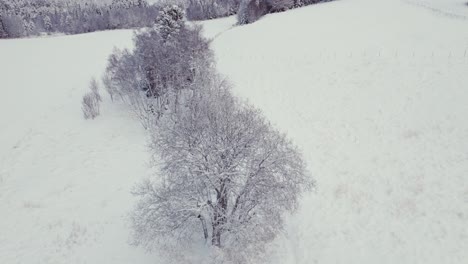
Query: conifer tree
[3, 33]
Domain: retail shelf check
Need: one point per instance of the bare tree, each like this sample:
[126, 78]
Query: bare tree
[225, 176]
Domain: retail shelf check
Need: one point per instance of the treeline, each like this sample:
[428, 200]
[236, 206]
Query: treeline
[210, 9]
[248, 10]
[21, 18]
[251, 10]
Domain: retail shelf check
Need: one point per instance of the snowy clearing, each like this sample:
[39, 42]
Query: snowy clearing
[374, 92]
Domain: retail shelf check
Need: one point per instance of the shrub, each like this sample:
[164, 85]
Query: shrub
[94, 87]
[90, 106]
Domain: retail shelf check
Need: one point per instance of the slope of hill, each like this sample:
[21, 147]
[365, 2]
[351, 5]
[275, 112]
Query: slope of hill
[374, 92]
[451, 8]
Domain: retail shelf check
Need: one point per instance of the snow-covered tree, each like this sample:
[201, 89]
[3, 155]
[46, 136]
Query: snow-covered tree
[3, 7]
[280, 5]
[13, 25]
[170, 20]
[251, 10]
[225, 176]
[69, 25]
[29, 27]
[47, 24]
[209, 9]
[125, 4]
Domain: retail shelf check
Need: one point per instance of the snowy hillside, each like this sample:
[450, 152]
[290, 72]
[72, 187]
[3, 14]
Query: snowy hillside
[374, 92]
[457, 9]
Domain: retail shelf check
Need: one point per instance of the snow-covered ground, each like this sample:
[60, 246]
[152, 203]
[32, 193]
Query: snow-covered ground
[452, 8]
[64, 182]
[373, 91]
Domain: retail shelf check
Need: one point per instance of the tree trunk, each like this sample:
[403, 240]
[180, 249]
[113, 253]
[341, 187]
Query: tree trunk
[205, 229]
[216, 236]
[220, 214]
[176, 103]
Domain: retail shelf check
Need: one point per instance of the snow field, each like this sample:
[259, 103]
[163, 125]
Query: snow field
[65, 182]
[373, 92]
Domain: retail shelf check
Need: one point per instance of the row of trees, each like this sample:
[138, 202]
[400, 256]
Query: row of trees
[248, 10]
[224, 176]
[251, 10]
[209, 9]
[20, 18]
